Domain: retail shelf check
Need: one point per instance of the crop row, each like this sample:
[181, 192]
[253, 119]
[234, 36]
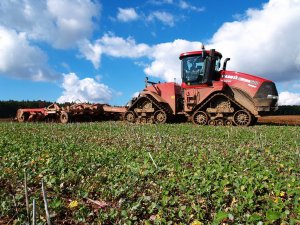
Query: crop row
[117, 173]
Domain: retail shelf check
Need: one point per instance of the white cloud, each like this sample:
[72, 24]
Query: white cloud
[19, 59]
[265, 42]
[85, 90]
[160, 2]
[165, 59]
[60, 23]
[119, 47]
[164, 17]
[135, 94]
[296, 85]
[74, 20]
[126, 15]
[91, 52]
[185, 5]
[112, 46]
[24, 23]
[288, 98]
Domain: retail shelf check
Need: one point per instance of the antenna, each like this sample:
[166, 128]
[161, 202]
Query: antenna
[203, 50]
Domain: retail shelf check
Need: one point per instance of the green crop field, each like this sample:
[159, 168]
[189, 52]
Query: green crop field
[118, 173]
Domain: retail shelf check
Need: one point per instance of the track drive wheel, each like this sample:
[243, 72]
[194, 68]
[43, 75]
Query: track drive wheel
[160, 116]
[200, 118]
[242, 118]
[63, 117]
[130, 117]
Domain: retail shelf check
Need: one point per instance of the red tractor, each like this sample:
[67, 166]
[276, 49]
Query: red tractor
[207, 95]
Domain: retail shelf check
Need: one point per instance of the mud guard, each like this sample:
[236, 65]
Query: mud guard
[245, 100]
[154, 95]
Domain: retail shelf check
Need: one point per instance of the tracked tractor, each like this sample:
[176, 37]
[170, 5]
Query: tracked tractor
[207, 95]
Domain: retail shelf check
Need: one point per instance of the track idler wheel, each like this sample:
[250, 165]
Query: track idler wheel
[130, 117]
[219, 122]
[200, 118]
[228, 123]
[160, 116]
[212, 122]
[63, 117]
[242, 118]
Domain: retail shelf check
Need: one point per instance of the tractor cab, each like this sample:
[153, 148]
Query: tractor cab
[200, 76]
[200, 67]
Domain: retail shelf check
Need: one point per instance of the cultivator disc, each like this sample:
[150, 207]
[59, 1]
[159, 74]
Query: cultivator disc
[63, 117]
[20, 116]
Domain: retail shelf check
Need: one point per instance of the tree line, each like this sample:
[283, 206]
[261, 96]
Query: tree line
[8, 109]
[288, 110]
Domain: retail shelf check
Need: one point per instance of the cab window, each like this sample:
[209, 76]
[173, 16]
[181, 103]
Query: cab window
[193, 69]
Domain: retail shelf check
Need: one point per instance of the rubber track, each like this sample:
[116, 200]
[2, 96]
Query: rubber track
[158, 105]
[161, 106]
[221, 94]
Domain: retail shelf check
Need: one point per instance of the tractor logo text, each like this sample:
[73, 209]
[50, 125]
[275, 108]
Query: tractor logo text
[251, 83]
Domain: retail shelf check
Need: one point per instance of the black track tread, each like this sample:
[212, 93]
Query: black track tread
[220, 94]
[159, 105]
[199, 108]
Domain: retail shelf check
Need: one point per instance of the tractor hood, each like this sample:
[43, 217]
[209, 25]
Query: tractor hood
[261, 91]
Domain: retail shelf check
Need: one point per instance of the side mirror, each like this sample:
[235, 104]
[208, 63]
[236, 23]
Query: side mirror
[225, 63]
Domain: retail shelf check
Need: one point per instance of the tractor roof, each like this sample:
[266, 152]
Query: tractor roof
[182, 55]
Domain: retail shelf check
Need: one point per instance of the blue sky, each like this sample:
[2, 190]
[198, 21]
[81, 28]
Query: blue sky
[101, 51]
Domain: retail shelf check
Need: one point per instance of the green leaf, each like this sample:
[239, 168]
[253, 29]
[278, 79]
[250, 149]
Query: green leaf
[220, 216]
[272, 215]
[254, 217]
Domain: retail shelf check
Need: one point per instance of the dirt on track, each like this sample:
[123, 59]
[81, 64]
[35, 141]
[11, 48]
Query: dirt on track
[280, 120]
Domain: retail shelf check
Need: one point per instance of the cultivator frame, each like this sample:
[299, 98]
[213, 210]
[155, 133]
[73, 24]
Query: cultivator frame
[73, 112]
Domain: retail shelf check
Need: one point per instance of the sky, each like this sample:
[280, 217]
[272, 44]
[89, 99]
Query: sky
[102, 50]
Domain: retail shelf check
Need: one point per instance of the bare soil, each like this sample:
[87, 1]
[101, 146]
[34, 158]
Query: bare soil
[6, 120]
[280, 120]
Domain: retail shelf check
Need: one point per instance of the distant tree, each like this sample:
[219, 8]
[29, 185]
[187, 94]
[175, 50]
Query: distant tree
[288, 110]
[8, 109]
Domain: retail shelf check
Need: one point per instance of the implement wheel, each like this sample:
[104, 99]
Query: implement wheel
[130, 117]
[242, 118]
[160, 116]
[20, 116]
[200, 118]
[63, 117]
